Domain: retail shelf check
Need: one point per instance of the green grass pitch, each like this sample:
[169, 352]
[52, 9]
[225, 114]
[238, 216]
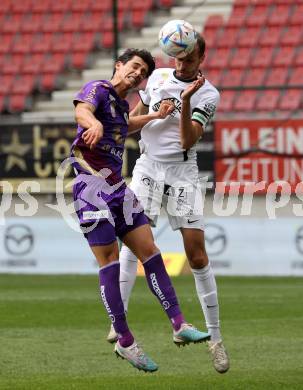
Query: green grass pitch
[53, 329]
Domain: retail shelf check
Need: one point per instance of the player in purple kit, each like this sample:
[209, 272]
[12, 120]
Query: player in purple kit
[108, 209]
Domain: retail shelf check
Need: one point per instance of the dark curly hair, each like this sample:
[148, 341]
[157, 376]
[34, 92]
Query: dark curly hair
[143, 54]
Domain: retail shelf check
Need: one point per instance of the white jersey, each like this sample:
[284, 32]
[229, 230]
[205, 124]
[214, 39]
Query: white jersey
[160, 138]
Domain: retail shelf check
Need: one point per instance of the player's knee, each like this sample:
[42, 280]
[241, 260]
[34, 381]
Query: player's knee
[197, 261]
[149, 251]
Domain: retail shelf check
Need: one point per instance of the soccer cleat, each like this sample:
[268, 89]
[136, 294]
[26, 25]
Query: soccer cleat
[112, 336]
[219, 356]
[135, 355]
[189, 334]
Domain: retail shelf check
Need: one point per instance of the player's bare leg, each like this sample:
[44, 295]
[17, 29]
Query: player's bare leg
[160, 284]
[206, 287]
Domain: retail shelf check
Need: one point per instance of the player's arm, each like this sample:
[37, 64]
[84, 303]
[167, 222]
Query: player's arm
[137, 122]
[84, 115]
[190, 131]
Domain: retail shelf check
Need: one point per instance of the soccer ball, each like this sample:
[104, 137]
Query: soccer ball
[177, 38]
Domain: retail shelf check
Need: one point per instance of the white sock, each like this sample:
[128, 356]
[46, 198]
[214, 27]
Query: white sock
[128, 273]
[207, 292]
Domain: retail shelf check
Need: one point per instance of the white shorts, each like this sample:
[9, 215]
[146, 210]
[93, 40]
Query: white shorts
[175, 186]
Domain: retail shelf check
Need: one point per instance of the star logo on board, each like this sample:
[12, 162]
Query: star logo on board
[15, 151]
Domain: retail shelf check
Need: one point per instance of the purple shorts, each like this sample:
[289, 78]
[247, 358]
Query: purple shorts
[112, 211]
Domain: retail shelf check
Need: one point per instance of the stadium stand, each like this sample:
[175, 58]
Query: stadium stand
[254, 48]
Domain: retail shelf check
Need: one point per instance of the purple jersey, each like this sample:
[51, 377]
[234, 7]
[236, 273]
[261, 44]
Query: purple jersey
[112, 112]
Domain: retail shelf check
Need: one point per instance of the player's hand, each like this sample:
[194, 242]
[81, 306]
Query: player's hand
[93, 134]
[193, 87]
[166, 108]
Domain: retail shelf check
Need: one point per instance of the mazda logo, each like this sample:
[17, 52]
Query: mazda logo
[215, 239]
[299, 240]
[18, 239]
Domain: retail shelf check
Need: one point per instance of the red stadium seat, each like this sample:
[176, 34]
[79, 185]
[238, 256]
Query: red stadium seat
[41, 6]
[296, 77]
[107, 39]
[167, 3]
[17, 103]
[210, 36]
[32, 64]
[78, 59]
[245, 100]
[6, 42]
[53, 23]
[226, 101]
[103, 6]
[249, 37]
[262, 57]
[23, 85]
[258, 16]
[279, 16]
[42, 44]
[284, 56]
[23, 44]
[138, 18]
[48, 82]
[213, 22]
[71, 23]
[277, 77]
[293, 36]
[32, 23]
[81, 6]
[2, 103]
[270, 36]
[227, 37]
[62, 43]
[6, 82]
[53, 63]
[5, 6]
[219, 59]
[213, 76]
[254, 77]
[12, 23]
[12, 64]
[299, 58]
[237, 17]
[291, 100]
[83, 42]
[241, 58]
[92, 23]
[296, 18]
[61, 6]
[21, 7]
[232, 78]
[268, 100]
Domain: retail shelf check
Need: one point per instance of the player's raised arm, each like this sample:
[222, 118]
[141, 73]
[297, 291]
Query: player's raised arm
[137, 122]
[190, 131]
[84, 115]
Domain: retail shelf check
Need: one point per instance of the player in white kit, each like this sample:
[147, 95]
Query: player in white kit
[166, 174]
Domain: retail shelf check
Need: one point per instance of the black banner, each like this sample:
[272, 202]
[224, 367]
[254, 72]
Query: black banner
[34, 152]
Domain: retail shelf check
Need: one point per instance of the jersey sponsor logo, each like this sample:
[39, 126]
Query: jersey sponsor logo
[87, 215]
[103, 297]
[195, 220]
[156, 287]
[175, 101]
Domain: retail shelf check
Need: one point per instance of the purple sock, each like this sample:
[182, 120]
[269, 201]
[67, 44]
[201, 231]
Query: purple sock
[160, 284]
[111, 298]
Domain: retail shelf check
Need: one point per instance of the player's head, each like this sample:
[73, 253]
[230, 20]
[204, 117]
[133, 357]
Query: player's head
[187, 68]
[131, 68]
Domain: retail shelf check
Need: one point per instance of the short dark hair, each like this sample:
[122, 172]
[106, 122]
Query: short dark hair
[144, 54]
[201, 44]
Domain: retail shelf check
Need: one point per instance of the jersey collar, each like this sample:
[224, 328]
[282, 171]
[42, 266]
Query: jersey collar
[187, 80]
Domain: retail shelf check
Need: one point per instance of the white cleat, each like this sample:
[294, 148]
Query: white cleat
[189, 334]
[136, 357]
[219, 356]
[112, 336]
